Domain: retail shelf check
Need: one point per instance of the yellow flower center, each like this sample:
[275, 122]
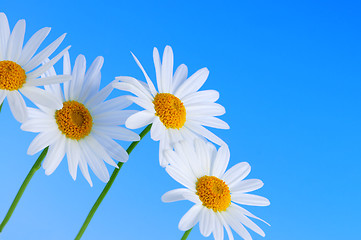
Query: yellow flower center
[214, 193]
[12, 76]
[170, 110]
[74, 120]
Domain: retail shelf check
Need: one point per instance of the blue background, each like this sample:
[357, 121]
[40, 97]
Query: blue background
[289, 76]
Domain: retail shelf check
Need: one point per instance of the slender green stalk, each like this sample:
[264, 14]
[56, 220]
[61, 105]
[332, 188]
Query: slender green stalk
[109, 184]
[35, 168]
[1, 106]
[186, 233]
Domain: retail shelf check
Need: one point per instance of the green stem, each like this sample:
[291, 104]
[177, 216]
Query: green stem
[35, 168]
[1, 106]
[186, 233]
[109, 184]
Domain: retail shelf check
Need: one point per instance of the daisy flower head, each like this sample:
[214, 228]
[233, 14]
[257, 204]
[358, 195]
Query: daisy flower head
[20, 69]
[85, 126]
[214, 191]
[177, 110]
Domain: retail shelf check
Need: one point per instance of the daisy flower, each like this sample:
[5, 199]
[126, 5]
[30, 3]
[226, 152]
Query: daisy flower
[18, 67]
[214, 191]
[84, 127]
[178, 111]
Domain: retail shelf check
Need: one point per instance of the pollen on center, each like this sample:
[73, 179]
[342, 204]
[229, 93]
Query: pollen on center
[12, 76]
[170, 110]
[214, 193]
[74, 120]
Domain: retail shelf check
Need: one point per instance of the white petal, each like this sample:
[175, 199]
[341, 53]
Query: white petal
[56, 154]
[206, 96]
[218, 232]
[221, 161]
[174, 195]
[212, 151]
[209, 122]
[112, 117]
[42, 140]
[203, 156]
[146, 104]
[207, 109]
[92, 79]
[117, 132]
[66, 64]
[225, 224]
[66, 70]
[115, 104]
[158, 71]
[38, 113]
[41, 97]
[17, 106]
[188, 134]
[167, 69]
[239, 216]
[250, 199]
[44, 54]
[113, 148]
[100, 96]
[84, 169]
[157, 131]
[139, 90]
[38, 124]
[179, 77]
[32, 45]
[205, 133]
[48, 80]
[237, 227]
[236, 173]
[96, 164]
[205, 223]
[73, 154]
[191, 196]
[190, 218]
[137, 83]
[56, 90]
[150, 83]
[139, 119]
[247, 213]
[3, 94]
[78, 74]
[88, 93]
[175, 135]
[182, 164]
[193, 83]
[186, 151]
[50, 72]
[16, 41]
[4, 35]
[42, 69]
[99, 150]
[247, 185]
[179, 177]
[163, 147]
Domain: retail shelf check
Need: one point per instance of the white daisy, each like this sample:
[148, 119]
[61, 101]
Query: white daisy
[202, 170]
[177, 110]
[18, 67]
[84, 127]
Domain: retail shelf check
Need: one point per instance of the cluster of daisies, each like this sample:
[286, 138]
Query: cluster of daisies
[75, 119]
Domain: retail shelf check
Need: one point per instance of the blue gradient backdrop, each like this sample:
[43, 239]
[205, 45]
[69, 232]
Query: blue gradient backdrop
[289, 76]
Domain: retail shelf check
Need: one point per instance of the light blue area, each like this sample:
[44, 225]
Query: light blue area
[289, 76]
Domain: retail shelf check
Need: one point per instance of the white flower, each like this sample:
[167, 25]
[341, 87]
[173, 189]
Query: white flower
[84, 127]
[18, 67]
[202, 170]
[178, 111]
